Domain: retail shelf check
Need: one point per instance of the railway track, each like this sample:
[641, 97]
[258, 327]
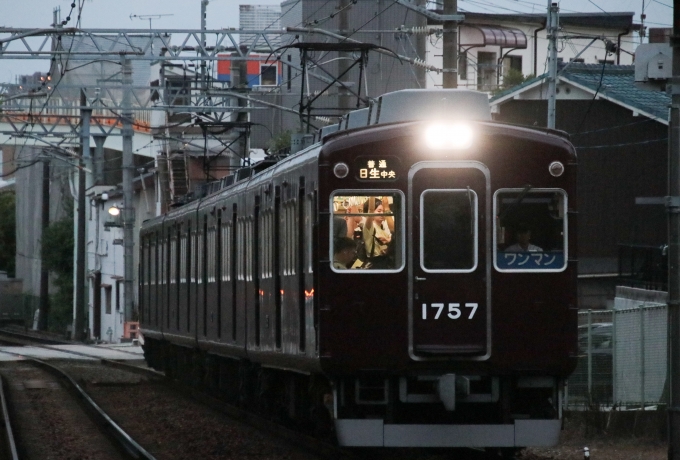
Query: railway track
[174, 420]
[152, 402]
[48, 412]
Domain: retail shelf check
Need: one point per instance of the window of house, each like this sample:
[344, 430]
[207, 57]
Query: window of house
[118, 283]
[267, 75]
[177, 90]
[462, 65]
[512, 62]
[107, 299]
[487, 71]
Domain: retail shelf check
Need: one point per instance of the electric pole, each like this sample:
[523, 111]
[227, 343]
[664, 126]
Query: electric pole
[79, 327]
[673, 208]
[128, 173]
[44, 273]
[344, 98]
[553, 26]
[450, 48]
[204, 23]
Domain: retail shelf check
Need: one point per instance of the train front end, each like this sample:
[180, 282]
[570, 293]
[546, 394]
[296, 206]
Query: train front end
[451, 319]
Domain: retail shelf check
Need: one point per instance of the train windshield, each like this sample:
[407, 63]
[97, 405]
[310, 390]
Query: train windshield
[531, 230]
[449, 230]
[366, 232]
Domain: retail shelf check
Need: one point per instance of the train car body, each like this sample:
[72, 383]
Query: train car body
[449, 336]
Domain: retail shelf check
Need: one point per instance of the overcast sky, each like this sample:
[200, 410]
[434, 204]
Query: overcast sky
[185, 14]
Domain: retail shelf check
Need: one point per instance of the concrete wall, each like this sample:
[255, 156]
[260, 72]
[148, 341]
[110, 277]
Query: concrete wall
[629, 297]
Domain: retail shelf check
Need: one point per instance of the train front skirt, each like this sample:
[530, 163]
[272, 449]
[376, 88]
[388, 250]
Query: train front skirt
[376, 433]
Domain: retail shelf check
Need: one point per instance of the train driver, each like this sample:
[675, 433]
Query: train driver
[344, 253]
[523, 236]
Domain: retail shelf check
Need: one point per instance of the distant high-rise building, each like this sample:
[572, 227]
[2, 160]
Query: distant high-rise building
[260, 17]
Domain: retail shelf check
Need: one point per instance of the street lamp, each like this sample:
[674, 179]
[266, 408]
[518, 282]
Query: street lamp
[115, 210]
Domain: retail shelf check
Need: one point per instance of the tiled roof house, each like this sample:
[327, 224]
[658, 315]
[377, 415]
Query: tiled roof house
[620, 133]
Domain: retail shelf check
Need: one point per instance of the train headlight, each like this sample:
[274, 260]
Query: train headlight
[449, 136]
[556, 168]
[340, 170]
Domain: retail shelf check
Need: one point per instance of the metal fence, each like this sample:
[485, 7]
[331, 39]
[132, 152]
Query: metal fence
[644, 267]
[622, 358]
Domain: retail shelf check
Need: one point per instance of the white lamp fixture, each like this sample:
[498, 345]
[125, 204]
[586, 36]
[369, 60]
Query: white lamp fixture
[114, 210]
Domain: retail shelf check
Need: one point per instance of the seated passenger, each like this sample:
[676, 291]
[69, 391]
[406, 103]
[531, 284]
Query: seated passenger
[344, 253]
[523, 236]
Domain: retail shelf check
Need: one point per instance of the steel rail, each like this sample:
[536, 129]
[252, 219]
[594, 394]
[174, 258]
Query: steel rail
[128, 444]
[8, 434]
[124, 440]
[110, 428]
[315, 445]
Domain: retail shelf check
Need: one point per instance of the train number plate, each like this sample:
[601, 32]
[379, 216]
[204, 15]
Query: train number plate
[454, 310]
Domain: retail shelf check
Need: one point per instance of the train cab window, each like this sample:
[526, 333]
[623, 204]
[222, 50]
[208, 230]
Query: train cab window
[367, 232]
[530, 231]
[448, 223]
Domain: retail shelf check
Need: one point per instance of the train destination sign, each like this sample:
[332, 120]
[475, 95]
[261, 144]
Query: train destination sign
[377, 168]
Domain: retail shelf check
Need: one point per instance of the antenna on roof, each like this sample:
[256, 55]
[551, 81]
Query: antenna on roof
[150, 17]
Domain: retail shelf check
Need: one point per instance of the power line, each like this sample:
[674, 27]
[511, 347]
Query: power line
[608, 146]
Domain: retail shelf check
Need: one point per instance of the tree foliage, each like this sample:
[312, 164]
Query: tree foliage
[8, 241]
[57, 254]
[512, 78]
[280, 142]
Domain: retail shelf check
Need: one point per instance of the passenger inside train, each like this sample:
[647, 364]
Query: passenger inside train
[371, 223]
[345, 253]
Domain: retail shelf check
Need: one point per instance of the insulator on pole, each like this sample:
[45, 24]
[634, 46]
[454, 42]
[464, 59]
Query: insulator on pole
[420, 63]
[423, 30]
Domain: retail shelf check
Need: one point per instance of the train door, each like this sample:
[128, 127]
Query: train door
[449, 265]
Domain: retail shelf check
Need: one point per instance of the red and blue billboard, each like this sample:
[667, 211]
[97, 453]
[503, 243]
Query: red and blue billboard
[260, 71]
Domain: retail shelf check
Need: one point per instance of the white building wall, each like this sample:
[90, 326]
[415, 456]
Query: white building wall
[260, 17]
[105, 255]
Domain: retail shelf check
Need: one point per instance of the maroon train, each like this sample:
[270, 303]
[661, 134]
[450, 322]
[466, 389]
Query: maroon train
[461, 336]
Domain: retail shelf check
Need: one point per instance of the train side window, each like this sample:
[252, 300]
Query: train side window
[309, 225]
[152, 260]
[162, 268]
[249, 249]
[183, 259]
[173, 260]
[226, 251]
[530, 232]
[199, 251]
[142, 262]
[376, 226]
[448, 222]
[212, 250]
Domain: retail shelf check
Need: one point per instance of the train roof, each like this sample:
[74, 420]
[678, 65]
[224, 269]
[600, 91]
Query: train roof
[409, 105]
